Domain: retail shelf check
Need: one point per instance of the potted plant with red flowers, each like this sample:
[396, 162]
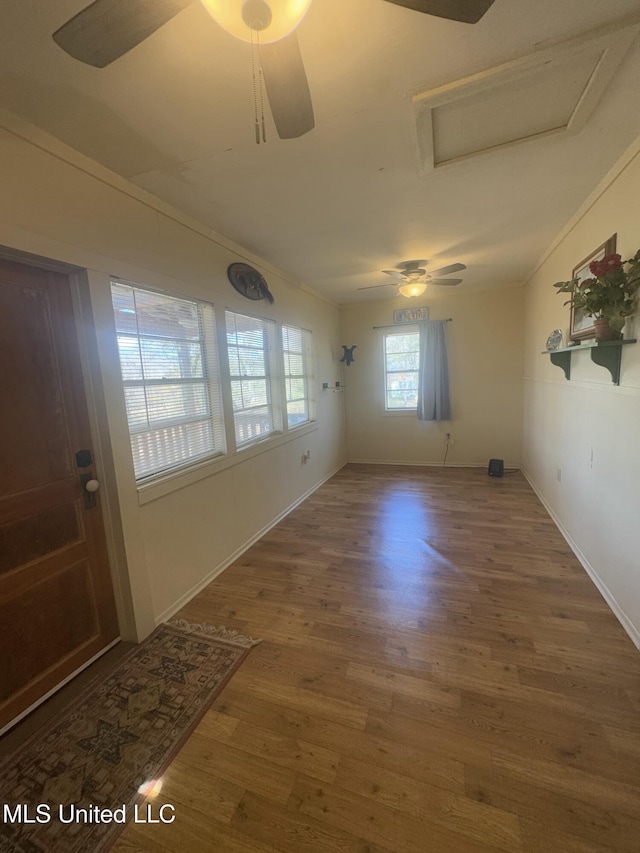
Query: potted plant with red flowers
[608, 297]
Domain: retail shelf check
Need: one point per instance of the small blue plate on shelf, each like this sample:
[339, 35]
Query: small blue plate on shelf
[555, 339]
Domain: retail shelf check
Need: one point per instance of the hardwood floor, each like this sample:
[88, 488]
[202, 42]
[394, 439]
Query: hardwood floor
[437, 673]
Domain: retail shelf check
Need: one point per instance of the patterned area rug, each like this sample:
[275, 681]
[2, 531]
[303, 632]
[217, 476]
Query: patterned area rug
[72, 786]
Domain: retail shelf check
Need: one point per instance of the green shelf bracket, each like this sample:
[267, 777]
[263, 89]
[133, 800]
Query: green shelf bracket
[609, 357]
[562, 359]
[605, 354]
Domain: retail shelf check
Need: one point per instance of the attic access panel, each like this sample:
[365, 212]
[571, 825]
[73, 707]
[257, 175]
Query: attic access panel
[554, 90]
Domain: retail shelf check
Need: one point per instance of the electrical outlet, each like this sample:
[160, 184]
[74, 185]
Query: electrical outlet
[450, 440]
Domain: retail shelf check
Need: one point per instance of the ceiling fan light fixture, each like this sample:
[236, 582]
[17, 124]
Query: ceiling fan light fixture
[413, 288]
[273, 19]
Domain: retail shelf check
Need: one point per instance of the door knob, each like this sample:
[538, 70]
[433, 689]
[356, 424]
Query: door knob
[90, 486]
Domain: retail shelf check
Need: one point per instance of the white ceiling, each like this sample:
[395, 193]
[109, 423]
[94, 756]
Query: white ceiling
[351, 198]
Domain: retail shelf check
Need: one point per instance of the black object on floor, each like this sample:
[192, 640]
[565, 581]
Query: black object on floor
[496, 468]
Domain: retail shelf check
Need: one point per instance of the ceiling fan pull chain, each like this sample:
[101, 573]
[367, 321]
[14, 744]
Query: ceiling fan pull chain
[261, 76]
[255, 85]
[264, 132]
[258, 86]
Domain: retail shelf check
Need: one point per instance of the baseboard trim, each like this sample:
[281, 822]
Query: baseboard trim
[603, 589]
[423, 464]
[213, 574]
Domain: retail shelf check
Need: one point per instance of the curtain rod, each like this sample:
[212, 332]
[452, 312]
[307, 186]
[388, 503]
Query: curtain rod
[413, 323]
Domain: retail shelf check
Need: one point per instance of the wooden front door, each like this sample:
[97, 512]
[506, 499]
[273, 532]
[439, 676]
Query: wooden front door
[56, 597]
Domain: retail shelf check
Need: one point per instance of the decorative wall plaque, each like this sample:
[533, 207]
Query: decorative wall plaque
[410, 315]
[249, 282]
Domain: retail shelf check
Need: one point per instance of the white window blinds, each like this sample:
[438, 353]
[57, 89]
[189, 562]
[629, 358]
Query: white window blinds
[169, 364]
[250, 342]
[296, 345]
[401, 361]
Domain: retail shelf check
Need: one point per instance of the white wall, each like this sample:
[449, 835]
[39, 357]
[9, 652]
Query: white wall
[166, 542]
[587, 427]
[485, 369]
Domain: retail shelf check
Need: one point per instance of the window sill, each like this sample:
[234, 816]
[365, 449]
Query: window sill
[176, 480]
[261, 439]
[300, 426]
[400, 413]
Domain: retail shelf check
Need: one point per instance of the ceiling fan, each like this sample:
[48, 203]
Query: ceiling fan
[413, 278]
[107, 29]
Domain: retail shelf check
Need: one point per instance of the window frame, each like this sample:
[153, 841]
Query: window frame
[396, 332]
[306, 354]
[211, 381]
[273, 393]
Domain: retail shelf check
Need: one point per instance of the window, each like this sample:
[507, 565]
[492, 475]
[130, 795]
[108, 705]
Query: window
[296, 345]
[401, 359]
[250, 342]
[169, 366]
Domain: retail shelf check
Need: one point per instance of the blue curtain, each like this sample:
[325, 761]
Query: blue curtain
[433, 379]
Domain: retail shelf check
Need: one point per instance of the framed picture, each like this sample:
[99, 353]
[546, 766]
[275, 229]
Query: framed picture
[580, 323]
[410, 315]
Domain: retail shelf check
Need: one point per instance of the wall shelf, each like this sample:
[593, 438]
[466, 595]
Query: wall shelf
[606, 353]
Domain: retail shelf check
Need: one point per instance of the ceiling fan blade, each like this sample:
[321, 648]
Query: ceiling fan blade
[287, 87]
[446, 282]
[395, 273]
[373, 286]
[107, 29]
[447, 270]
[466, 11]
